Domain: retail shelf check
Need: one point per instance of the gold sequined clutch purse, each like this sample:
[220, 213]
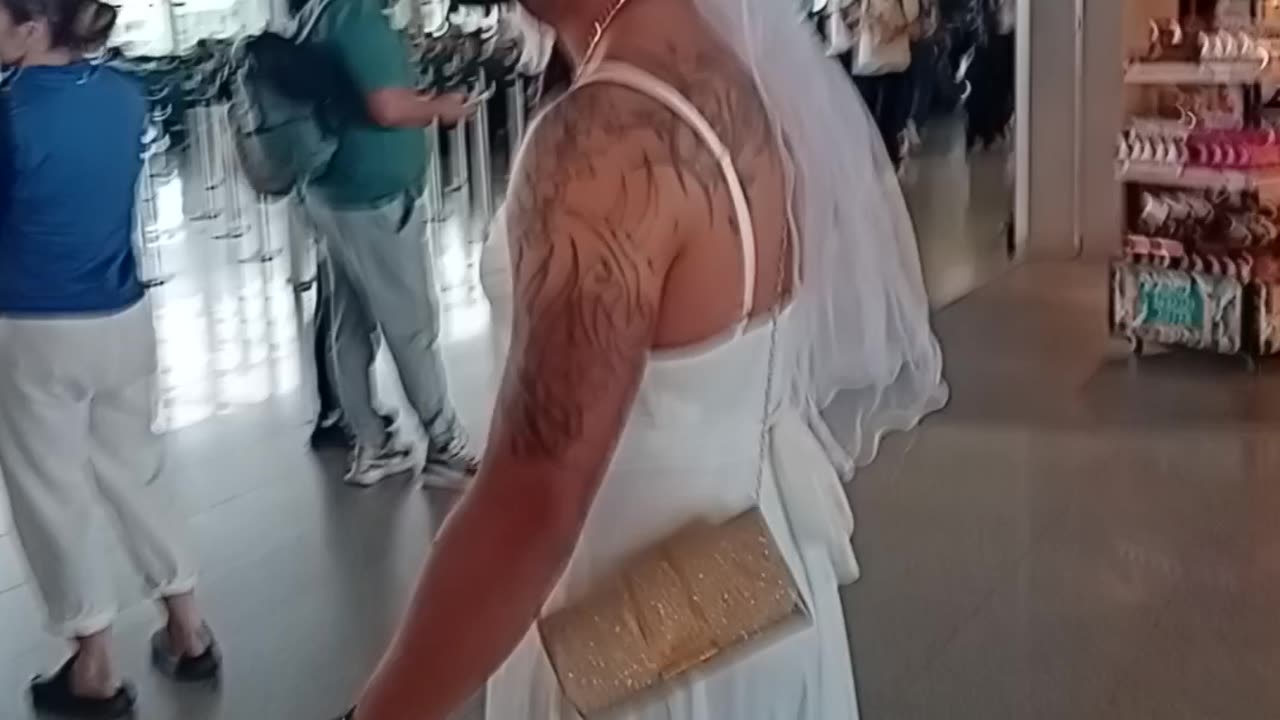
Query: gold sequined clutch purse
[699, 599]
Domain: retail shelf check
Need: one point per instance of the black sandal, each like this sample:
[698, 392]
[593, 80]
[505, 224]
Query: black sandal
[52, 696]
[204, 667]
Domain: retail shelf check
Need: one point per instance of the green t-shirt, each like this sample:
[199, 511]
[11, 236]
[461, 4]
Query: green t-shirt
[371, 164]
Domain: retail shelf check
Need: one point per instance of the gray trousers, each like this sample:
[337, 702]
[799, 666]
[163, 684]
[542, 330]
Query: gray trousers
[380, 280]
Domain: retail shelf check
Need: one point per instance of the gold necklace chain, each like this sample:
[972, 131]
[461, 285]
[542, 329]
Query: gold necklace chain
[600, 27]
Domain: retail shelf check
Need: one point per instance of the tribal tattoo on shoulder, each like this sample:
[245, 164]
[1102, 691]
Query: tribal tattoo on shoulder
[584, 302]
[594, 190]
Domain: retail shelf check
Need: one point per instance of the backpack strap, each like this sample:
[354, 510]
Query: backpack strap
[305, 22]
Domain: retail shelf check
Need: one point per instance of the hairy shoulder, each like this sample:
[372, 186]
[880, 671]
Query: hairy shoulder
[610, 143]
[587, 216]
[608, 185]
[725, 93]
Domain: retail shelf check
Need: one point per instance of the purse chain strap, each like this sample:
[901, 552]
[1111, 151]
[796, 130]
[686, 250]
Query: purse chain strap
[780, 299]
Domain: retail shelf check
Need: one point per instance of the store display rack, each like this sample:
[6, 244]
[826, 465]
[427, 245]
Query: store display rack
[1199, 161]
[1200, 73]
[1196, 178]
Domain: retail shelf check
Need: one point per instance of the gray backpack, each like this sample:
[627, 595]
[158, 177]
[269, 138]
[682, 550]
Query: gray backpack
[280, 113]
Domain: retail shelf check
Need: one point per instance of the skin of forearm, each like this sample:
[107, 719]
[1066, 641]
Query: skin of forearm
[418, 111]
[490, 572]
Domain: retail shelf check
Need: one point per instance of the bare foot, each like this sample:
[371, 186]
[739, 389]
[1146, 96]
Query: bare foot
[188, 636]
[92, 675]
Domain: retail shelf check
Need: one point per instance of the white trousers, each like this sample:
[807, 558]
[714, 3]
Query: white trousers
[77, 452]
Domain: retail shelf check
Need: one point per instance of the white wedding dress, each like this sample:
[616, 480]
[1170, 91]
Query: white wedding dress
[691, 449]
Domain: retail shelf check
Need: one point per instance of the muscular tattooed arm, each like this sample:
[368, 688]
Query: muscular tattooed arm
[592, 235]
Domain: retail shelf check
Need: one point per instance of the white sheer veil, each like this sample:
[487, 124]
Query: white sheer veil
[860, 338]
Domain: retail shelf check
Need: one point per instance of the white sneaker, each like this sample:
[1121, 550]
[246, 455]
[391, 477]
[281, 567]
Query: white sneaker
[450, 466]
[370, 467]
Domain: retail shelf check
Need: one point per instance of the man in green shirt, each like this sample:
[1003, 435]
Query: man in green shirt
[368, 213]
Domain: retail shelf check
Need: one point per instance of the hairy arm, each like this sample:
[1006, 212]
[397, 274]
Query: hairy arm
[407, 108]
[590, 225]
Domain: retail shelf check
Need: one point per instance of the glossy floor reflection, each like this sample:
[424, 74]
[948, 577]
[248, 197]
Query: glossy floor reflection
[1077, 536]
[962, 203]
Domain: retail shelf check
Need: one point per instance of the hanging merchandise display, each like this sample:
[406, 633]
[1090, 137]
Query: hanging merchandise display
[1200, 162]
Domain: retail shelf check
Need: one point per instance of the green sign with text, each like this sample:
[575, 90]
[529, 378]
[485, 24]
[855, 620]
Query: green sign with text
[1176, 304]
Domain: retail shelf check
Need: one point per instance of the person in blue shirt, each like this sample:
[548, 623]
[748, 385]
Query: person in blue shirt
[78, 355]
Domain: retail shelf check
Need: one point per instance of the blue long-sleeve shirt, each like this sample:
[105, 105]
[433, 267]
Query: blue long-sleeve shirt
[70, 155]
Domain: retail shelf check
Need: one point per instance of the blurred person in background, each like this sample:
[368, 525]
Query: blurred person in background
[992, 75]
[78, 352]
[330, 429]
[368, 212]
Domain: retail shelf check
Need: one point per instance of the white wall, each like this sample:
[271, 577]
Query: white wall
[1102, 114]
[1047, 128]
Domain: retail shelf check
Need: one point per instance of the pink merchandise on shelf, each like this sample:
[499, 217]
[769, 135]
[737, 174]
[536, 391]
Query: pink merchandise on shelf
[1234, 149]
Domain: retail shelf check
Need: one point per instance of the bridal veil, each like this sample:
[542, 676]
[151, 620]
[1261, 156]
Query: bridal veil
[862, 336]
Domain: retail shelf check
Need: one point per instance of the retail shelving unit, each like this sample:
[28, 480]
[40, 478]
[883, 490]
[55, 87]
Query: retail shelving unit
[1199, 161]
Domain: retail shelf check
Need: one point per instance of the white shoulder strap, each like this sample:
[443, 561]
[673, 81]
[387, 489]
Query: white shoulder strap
[643, 82]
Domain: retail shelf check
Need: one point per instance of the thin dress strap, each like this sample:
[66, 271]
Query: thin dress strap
[610, 71]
